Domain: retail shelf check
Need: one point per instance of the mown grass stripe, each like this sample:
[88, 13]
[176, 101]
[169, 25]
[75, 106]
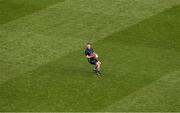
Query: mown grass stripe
[11, 10]
[160, 95]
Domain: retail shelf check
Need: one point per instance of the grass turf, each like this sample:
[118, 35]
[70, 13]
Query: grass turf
[45, 35]
[132, 59]
[13, 9]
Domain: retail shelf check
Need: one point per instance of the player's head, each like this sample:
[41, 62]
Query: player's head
[88, 45]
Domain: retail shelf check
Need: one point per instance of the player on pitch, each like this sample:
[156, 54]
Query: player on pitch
[93, 58]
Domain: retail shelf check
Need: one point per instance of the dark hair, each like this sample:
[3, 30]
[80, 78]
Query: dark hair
[88, 43]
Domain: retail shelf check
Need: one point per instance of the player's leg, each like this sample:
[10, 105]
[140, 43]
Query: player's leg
[98, 67]
[93, 62]
[95, 68]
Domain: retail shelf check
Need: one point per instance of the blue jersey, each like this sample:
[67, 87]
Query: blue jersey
[89, 51]
[90, 60]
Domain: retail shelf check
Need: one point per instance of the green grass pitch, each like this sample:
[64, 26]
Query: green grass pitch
[42, 64]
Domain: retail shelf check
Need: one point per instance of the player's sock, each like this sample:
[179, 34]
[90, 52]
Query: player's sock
[98, 72]
[95, 69]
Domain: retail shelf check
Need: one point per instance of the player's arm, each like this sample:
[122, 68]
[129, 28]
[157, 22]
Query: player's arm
[87, 56]
[93, 54]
